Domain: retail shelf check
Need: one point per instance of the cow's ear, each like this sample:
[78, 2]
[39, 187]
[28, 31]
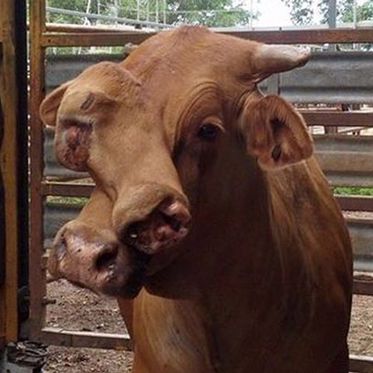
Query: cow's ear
[50, 104]
[275, 132]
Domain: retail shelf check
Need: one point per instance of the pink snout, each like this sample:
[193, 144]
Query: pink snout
[96, 260]
[165, 226]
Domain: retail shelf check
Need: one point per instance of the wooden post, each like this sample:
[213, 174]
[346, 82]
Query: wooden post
[8, 165]
[36, 278]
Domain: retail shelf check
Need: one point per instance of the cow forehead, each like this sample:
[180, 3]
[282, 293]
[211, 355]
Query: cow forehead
[189, 48]
[180, 65]
[107, 77]
[173, 69]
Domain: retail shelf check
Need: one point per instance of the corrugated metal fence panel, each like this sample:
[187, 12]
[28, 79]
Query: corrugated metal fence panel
[362, 242]
[346, 160]
[55, 216]
[329, 77]
[61, 68]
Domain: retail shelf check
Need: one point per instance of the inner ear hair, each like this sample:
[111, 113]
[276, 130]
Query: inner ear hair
[276, 124]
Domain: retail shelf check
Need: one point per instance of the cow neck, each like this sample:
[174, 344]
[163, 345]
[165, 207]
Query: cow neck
[231, 237]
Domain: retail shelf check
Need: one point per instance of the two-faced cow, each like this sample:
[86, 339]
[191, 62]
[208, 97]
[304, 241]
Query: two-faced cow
[209, 208]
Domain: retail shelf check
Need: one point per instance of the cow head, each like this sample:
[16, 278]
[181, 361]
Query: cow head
[151, 131]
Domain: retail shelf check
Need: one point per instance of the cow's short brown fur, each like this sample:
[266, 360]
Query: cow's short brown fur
[262, 281]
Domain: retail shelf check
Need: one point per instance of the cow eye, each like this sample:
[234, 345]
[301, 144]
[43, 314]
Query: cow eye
[208, 132]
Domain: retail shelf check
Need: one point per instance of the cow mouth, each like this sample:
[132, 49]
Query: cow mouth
[115, 284]
[164, 227]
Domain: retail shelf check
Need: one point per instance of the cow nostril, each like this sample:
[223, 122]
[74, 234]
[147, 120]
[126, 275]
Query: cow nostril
[107, 258]
[172, 221]
[132, 232]
[175, 214]
[60, 247]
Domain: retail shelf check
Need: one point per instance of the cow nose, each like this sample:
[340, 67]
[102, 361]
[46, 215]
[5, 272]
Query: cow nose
[106, 257]
[165, 226]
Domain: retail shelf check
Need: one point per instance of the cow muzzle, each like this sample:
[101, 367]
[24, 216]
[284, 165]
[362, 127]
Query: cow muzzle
[164, 227]
[96, 260]
[162, 223]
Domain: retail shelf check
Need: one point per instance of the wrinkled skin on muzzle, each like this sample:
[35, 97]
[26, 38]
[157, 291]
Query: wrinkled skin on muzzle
[87, 252]
[152, 132]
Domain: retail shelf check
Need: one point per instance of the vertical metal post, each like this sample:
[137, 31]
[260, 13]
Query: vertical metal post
[251, 14]
[37, 91]
[164, 11]
[332, 14]
[157, 11]
[332, 19]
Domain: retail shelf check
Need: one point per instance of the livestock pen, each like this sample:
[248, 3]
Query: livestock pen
[347, 160]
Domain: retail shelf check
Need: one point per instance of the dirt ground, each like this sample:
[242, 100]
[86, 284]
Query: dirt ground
[82, 310]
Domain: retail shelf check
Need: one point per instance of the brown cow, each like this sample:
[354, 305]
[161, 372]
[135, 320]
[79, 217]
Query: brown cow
[261, 280]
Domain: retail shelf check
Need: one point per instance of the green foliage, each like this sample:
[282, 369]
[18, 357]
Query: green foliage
[301, 12]
[210, 13]
[353, 191]
[78, 5]
[364, 12]
[218, 13]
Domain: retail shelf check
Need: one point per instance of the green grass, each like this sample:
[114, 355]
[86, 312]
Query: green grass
[353, 191]
[340, 191]
[75, 201]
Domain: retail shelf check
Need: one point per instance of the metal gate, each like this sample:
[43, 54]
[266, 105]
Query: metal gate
[42, 38]
[13, 165]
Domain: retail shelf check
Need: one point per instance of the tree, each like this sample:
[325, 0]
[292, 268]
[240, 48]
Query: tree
[219, 13]
[302, 14]
[78, 5]
[222, 13]
[364, 12]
